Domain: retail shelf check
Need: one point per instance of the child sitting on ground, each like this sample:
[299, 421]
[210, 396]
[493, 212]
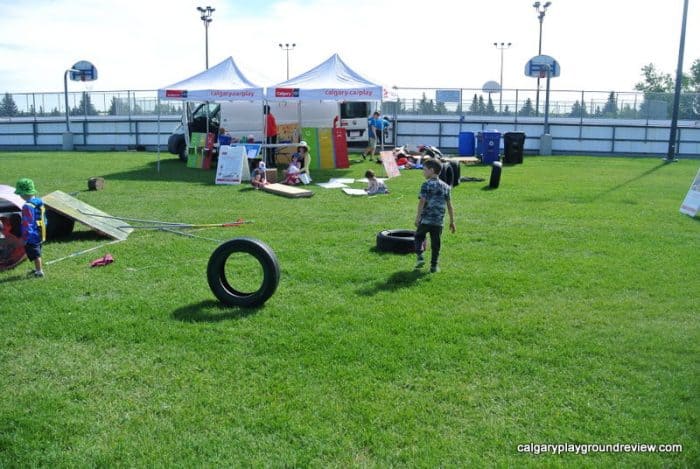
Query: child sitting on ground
[292, 177]
[374, 186]
[259, 179]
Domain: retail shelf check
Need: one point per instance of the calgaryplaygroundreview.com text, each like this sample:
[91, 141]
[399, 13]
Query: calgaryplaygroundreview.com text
[578, 448]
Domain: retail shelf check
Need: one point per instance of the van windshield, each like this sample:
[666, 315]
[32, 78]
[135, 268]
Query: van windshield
[201, 111]
[354, 110]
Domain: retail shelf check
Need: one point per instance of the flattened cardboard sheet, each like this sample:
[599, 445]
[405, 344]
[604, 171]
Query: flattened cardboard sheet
[82, 212]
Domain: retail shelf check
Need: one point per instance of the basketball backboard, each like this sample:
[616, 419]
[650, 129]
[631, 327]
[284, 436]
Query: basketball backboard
[537, 67]
[83, 71]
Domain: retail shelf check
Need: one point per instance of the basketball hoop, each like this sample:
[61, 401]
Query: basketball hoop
[543, 73]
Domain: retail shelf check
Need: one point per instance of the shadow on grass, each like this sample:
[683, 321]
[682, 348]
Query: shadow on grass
[396, 281]
[628, 182]
[171, 169]
[15, 278]
[84, 235]
[198, 312]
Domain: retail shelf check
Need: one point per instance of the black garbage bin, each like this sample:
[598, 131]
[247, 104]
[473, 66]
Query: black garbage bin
[513, 144]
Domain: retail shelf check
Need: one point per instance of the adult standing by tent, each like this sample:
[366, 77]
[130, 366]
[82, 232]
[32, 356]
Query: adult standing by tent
[377, 125]
[270, 136]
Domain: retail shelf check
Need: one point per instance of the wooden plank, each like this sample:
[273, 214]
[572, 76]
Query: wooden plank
[287, 191]
[462, 159]
[82, 212]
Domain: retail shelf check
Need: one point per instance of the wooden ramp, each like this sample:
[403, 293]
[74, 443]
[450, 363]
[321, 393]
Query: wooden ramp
[287, 191]
[87, 215]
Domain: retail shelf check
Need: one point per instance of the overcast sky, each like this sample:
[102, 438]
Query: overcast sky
[148, 44]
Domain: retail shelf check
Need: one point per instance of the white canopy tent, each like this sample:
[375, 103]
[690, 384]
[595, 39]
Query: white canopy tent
[222, 82]
[332, 80]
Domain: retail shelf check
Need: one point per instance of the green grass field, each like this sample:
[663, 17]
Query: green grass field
[566, 312]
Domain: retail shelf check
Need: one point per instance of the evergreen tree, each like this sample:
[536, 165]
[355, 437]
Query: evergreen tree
[490, 108]
[506, 111]
[85, 106]
[610, 108]
[528, 109]
[8, 108]
[627, 112]
[459, 108]
[482, 105]
[474, 108]
[441, 109]
[425, 106]
[578, 110]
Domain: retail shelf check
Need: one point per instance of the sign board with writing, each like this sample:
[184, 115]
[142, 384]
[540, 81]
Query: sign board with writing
[232, 166]
[691, 203]
[448, 96]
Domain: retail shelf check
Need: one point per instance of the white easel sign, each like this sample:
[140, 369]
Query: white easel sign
[232, 160]
[691, 204]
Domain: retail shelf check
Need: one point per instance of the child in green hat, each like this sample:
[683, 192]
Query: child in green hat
[33, 223]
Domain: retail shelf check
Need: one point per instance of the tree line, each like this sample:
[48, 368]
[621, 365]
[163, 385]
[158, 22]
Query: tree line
[118, 107]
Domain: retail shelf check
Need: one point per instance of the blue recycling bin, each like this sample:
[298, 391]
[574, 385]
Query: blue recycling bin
[492, 147]
[480, 144]
[466, 144]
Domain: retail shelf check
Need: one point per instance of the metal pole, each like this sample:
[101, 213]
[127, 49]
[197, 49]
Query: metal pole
[65, 92]
[502, 46]
[539, 52]
[206, 43]
[671, 156]
[546, 100]
[287, 47]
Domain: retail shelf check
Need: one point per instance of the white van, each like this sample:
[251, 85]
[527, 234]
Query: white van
[353, 118]
[244, 118]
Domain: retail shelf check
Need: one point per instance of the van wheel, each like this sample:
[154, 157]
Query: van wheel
[182, 151]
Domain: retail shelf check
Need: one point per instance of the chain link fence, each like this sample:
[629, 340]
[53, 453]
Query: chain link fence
[511, 104]
[515, 103]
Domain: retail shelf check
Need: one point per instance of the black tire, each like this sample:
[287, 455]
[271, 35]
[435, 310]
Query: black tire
[182, 151]
[495, 174]
[219, 284]
[397, 241]
[455, 173]
[58, 225]
[446, 174]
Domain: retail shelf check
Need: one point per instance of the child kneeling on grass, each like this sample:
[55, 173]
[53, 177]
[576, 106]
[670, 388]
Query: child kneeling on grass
[292, 177]
[259, 179]
[433, 198]
[374, 186]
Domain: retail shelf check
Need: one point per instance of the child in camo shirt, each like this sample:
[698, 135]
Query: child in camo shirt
[434, 196]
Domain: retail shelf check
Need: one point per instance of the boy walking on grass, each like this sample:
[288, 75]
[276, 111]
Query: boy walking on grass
[33, 223]
[434, 197]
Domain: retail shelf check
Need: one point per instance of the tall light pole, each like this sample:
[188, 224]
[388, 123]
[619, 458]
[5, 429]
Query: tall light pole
[287, 47]
[671, 156]
[501, 46]
[541, 10]
[205, 16]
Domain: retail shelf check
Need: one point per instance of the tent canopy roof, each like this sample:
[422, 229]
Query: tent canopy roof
[222, 82]
[332, 80]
